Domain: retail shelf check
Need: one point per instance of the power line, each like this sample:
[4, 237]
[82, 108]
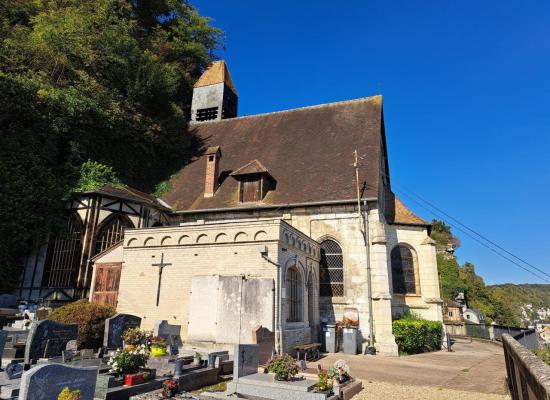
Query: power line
[476, 233]
[477, 240]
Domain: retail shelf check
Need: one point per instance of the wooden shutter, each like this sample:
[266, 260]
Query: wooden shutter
[250, 189]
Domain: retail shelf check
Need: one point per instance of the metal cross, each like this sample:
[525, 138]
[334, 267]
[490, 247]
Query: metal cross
[161, 266]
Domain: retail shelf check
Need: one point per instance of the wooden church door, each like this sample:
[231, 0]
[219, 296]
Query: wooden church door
[107, 279]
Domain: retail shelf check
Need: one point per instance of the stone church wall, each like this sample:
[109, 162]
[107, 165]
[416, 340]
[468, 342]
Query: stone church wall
[342, 224]
[427, 303]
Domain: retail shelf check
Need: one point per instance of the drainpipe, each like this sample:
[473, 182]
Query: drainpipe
[370, 349]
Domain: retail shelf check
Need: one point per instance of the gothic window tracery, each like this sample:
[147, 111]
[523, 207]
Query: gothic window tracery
[404, 271]
[111, 232]
[331, 269]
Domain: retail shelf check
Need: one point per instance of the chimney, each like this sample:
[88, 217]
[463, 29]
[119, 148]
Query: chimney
[213, 155]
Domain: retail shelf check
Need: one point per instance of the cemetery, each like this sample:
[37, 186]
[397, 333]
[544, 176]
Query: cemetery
[46, 361]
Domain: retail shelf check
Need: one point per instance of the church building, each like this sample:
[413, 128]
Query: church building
[266, 227]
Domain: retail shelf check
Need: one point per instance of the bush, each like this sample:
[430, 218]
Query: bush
[284, 367]
[90, 318]
[417, 336]
[129, 361]
[544, 354]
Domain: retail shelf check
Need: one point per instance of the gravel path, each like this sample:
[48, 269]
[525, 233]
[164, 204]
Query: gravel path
[375, 390]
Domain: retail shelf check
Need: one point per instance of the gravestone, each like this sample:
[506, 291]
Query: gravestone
[46, 381]
[48, 339]
[8, 301]
[14, 370]
[245, 360]
[166, 331]
[213, 356]
[115, 327]
[265, 339]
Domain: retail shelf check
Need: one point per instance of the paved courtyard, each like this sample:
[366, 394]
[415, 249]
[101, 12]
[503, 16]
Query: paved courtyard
[471, 367]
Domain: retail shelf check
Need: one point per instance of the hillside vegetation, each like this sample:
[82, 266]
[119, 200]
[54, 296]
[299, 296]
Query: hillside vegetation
[90, 88]
[455, 278]
[530, 302]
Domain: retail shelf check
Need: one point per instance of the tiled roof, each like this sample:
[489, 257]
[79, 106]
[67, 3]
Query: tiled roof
[217, 72]
[309, 151]
[253, 167]
[399, 213]
[129, 193]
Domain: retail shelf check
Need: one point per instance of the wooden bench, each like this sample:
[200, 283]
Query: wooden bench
[310, 351]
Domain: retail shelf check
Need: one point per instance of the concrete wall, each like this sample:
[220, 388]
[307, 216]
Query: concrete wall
[223, 306]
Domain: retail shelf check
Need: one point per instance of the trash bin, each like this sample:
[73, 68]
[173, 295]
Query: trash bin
[350, 339]
[331, 339]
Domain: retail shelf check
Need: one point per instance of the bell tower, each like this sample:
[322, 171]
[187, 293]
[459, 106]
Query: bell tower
[214, 95]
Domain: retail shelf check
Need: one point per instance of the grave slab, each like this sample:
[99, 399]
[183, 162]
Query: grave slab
[45, 382]
[115, 327]
[48, 339]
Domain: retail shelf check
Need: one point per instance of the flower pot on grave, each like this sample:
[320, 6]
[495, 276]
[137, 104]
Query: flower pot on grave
[350, 339]
[158, 351]
[134, 379]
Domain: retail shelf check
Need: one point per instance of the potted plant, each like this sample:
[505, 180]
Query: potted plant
[67, 394]
[133, 337]
[169, 388]
[158, 347]
[324, 381]
[127, 363]
[339, 372]
[197, 359]
[283, 366]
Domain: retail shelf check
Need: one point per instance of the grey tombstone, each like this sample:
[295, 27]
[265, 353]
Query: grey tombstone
[115, 327]
[48, 339]
[222, 355]
[46, 381]
[245, 360]
[166, 331]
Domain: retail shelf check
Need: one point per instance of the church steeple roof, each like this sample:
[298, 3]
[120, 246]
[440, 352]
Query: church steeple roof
[217, 72]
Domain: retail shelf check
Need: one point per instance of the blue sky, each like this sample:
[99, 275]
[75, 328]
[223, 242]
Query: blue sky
[466, 89]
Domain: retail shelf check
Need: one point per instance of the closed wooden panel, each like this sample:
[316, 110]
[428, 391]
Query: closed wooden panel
[107, 279]
[251, 190]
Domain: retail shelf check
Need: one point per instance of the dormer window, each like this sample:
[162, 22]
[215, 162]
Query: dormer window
[255, 182]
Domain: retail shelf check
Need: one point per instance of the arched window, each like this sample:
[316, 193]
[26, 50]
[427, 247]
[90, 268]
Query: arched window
[331, 269]
[403, 271]
[311, 298]
[111, 232]
[63, 255]
[294, 295]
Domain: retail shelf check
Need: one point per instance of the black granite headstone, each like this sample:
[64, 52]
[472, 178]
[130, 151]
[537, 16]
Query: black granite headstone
[48, 339]
[46, 381]
[115, 327]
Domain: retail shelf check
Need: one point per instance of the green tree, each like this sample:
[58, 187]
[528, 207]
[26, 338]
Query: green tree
[109, 81]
